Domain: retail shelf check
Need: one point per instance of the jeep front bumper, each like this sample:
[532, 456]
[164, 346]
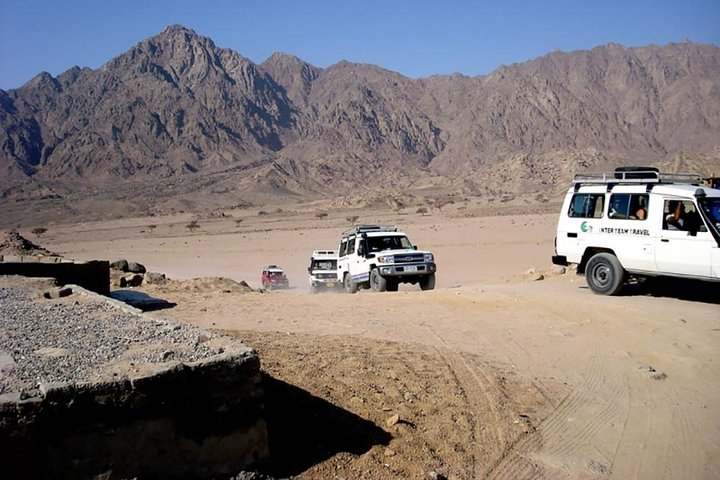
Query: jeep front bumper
[407, 270]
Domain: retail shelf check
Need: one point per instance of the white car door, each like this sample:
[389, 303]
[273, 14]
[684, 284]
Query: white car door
[678, 252]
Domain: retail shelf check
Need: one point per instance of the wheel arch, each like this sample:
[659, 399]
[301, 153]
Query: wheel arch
[589, 253]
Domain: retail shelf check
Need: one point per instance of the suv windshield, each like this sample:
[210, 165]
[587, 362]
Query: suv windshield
[711, 208]
[390, 242]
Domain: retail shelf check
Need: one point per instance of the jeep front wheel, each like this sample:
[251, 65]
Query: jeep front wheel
[350, 287]
[427, 282]
[377, 282]
[604, 274]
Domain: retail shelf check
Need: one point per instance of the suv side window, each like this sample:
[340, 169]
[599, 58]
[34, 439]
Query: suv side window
[587, 205]
[350, 246]
[343, 248]
[628, 206]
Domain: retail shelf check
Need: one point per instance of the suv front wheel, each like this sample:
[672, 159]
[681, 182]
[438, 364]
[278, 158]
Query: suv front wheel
[604, 274]
[427, 282]
[377, 282]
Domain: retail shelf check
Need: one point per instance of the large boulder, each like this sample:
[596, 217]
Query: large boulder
[155, 278]
[121, 265]
[135, 267]
[131, 280]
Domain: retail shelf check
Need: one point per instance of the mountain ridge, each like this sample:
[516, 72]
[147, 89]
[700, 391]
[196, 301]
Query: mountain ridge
[176, 107]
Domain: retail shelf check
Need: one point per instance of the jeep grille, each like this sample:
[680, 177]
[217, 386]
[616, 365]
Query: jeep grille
[409, 258]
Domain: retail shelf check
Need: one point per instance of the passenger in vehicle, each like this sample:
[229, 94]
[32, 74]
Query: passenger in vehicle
[641, 212]
[675, 219]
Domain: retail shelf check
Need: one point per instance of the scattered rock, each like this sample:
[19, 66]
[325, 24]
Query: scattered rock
[652, 373]
[436, 476]
[392, 420]
[121, 265]
[58, 292]
[598, 467]
[558, 270]
[131, 280]
[155, 278]
[135, 267]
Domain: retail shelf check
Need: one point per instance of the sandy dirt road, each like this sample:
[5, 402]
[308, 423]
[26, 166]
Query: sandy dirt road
[491, 375]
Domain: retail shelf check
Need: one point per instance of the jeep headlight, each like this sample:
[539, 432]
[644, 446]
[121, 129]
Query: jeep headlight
[428, 257]
[385, 259]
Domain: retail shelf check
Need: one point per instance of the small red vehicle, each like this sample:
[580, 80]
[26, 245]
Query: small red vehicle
[274, 277]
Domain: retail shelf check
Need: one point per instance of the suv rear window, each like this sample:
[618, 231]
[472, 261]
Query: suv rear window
[587, 205]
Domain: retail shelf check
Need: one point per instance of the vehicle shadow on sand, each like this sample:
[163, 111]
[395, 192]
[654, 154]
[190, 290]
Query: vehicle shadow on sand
[304, 430]
[681, 289]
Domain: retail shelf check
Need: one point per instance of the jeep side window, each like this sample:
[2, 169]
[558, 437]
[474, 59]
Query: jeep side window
[619, 206]
[351, 246]
[639, 206]
[682, 215]
[628, 206]
[343, 248]
[587, 205]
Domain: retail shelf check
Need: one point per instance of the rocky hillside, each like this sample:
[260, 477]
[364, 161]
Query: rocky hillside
[177, 119]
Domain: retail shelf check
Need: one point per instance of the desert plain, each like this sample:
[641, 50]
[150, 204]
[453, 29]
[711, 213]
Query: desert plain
[509, 369]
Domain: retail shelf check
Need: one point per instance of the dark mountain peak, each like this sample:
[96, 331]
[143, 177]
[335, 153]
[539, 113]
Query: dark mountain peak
[43, 82]
[285, 59]
[291, 73]
[176, 29]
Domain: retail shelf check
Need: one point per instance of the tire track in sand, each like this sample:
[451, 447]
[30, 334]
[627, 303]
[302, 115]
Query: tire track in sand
[557, 435]
[482, 394]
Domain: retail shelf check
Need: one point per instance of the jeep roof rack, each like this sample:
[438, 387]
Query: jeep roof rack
[369, 228]
[324, 253]
[635, 177]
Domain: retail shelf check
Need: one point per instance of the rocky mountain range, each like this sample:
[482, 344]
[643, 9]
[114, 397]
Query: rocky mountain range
[177, 122]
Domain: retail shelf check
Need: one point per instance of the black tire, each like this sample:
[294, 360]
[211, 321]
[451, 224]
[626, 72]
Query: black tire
[604, 274]
[427, 282]
[377, 282]
[350, 287]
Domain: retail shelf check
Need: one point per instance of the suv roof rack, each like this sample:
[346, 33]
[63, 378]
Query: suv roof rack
[369, 228]
[635, 177]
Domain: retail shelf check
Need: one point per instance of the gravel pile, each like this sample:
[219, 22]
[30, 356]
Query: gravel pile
[76, 340]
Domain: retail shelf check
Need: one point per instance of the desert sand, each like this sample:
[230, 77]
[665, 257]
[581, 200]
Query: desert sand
[509, 369]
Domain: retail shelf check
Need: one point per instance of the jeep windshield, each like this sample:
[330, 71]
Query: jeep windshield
[390, 242]
[711, 207]
[324, 265]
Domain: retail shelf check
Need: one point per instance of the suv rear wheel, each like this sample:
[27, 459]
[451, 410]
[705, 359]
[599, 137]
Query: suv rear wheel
[604, 274]
[350, 287]
[377, 282]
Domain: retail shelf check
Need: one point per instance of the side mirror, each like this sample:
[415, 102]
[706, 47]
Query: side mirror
[414, 247]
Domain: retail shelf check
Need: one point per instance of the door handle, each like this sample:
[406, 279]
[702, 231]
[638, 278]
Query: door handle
[665, 240]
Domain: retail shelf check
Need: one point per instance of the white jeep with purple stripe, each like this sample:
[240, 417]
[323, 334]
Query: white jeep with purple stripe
[380, 258]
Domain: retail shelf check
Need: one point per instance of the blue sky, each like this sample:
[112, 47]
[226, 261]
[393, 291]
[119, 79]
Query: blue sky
[415, 38]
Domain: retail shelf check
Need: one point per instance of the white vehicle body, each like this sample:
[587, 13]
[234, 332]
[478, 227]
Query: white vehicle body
[601, 230]
[322, 271]
[380, 258]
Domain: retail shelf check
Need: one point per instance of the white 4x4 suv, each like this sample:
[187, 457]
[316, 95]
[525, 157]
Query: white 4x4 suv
[638, 222]
[379, 258]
